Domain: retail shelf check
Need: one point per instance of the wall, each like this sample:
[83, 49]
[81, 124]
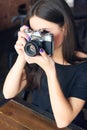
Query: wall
[8, 9]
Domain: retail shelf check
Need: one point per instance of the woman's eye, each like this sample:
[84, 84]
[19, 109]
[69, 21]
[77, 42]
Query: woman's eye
[43, 31]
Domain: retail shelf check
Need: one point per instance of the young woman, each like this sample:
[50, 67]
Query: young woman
[61, 78]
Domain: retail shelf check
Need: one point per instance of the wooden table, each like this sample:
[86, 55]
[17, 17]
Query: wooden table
[16, 116]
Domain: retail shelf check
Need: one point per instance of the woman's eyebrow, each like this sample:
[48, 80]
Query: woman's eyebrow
[45, 28]
[42, 29]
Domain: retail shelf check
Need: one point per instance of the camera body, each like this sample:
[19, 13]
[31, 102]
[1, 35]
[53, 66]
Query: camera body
[39, 39]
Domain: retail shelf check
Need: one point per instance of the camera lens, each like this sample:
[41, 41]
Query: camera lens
[31, 48]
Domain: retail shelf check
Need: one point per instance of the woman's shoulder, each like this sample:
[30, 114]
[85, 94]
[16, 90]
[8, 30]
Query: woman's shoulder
[77, 69]
[82, 66]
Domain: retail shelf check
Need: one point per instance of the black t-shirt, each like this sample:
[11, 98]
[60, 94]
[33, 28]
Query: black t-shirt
[73, 81]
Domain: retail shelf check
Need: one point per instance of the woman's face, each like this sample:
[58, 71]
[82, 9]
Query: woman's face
[37, 23]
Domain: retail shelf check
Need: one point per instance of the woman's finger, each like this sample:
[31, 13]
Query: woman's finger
[23, 35]
[43, 53]
[21, 42]
[24, 27]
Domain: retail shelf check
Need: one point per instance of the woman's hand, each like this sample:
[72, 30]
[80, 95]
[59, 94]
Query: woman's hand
[21, 41]
[43, 60]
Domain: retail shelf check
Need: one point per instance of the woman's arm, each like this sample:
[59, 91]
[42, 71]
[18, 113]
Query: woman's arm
[15, 80]
[65, 110]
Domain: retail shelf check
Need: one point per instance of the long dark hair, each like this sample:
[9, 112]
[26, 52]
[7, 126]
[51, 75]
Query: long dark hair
[59, 12]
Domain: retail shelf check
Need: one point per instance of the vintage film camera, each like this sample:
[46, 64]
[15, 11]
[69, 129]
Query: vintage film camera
[39, 39]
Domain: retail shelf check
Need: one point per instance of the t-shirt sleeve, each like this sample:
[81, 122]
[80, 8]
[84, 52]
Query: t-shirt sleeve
[79, 88]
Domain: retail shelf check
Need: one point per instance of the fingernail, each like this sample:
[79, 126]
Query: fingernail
[28, 38]
[41, 50]
[26, 26]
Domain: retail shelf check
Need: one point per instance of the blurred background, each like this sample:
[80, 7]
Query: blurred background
[12, 16]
